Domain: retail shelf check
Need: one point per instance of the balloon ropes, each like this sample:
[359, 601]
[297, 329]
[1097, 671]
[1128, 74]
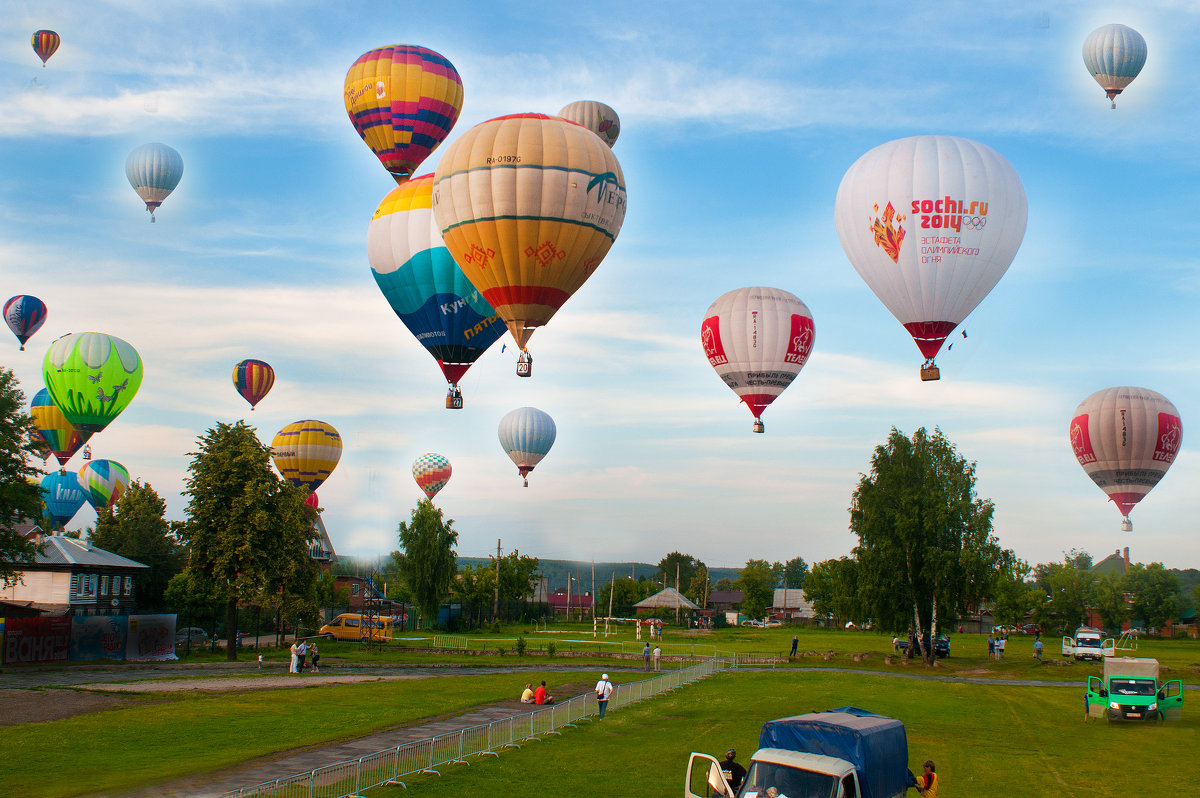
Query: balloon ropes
[154, 171]
[757, 339]
[526, 435]
[24, 315]
[425, 287]
[432, 472]
[528, 206]
[1126, 438]
[62, 440]
[103, 482]
[931, 224]
[45, 44]
[1114, 55]
[253, 380]
[63, 496]
[306, 452]
[596, 117]
[403, 100]
[92, 377]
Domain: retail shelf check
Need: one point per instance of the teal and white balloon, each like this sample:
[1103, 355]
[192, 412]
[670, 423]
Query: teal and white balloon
[526, 435]
[154, 171]
[1114, 55]
[103, 483]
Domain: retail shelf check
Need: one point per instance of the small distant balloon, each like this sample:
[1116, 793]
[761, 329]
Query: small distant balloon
[45, 44]
[306, 452]
[596, 117]
[253, 380]
[154, 171]
[312, 501]
[24, 315]
[1114, 55]
[103, 483]
[92, 377]
[526, 435]
[432, 472]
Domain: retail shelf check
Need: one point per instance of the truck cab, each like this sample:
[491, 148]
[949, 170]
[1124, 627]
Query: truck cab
[791, 773]
[1130, 689]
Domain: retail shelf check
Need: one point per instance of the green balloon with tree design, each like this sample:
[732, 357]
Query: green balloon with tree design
[92, 377]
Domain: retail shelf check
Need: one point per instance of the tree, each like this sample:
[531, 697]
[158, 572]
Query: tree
[20, 498]
[687, 566]
[1070, 591]
[795, 571]
[926, 549]
[1110, 601]
[247, 531]
[625, 592]
[137, 528]
[698, 588]
[1152, 591]
[428, 563]
[832, 587]
[724, 583]
[1013, 598]
[757, 584]
[477, 583]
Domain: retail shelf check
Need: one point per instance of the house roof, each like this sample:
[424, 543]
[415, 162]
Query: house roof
[670, 597]
[62, 550]
[1113, 563]
[726, 597]
[790, 599]
[558, 600]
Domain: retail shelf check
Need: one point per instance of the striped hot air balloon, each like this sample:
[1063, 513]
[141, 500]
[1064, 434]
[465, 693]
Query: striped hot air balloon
[306, 452]
[253, 380]
[432, 472]
[103, 483]
[403, 100]
[24, 315]
[154, 171]
[45, 44]
[526, 435]
[62, 439]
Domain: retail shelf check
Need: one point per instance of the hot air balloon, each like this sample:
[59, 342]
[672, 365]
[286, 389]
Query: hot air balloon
[1126, 438]
[253, 380]
[526, 435]
[1114, 55]
[425, 287]
[596, 117]
[154, 171]
[403, 100]
[103, 482]
[24, 315]
[432, 472]
[92, 377]
[63, 496]
[757, 339]
[931, 223]
[45, 43]
[61, 438]
[312, 501]
[528, 206]
[306, 452]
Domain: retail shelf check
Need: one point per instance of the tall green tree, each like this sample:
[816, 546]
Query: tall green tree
[698, 588]
[247, 531]
[687, 567]
[926, 549]
[757, 583]
[832, 587]
[1069, 590]
[725, 583]
[1013, 596]
[1110, 601]
[20, 498]
[795, 571]
[1153, 593]
[428, 557]
[137, 528]
[625, 593]
[477, 583]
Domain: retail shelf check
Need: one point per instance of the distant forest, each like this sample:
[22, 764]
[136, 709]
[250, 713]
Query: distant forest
[556, 572]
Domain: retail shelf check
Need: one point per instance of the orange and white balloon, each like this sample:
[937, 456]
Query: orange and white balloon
[757, 339]
[1126, 438]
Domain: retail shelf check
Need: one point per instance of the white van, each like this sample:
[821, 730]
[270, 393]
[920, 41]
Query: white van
[1088, 643]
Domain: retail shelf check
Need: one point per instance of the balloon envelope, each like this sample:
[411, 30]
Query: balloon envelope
[154, 171]
[432, 472]
[45, 44]
[1114, 55]
[596, 117]
[92, 377]
[528, 206]
[24, 315]
[306, 452]
[526, 435]
[931, 223]
[253, 380]
[61, 438]
[103, 482]
[1126, 438]
[63, 496]
[757, 339]
[403, 100]
[423, 284]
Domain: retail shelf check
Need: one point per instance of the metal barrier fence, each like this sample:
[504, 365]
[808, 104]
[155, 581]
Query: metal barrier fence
[349, 778]
[450, 641]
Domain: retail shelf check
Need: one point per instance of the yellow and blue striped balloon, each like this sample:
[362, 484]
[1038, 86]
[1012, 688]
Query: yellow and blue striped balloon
[306, 452]
[103, 483]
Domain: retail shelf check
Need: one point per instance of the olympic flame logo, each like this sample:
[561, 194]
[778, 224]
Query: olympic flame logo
[887, 237]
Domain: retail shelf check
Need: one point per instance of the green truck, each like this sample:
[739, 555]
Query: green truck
[1130, 689]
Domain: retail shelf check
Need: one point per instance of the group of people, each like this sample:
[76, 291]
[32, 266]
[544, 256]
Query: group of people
[997, 644]
[655, 657]
[538, 695]
[301, 650]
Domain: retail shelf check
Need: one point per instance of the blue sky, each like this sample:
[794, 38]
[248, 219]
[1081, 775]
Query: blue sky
[738, 122]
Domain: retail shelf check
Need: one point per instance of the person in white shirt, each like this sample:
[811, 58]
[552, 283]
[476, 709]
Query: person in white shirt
[604, 690]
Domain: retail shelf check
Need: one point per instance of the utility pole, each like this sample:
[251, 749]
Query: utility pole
[593, 599]
[496, 600]
[678, 605]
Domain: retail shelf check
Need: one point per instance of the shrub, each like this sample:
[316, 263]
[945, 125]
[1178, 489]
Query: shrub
[550, 649]
[520, 646]
[500, 650]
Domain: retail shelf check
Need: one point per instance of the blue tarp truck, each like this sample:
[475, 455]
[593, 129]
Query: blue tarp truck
[842, 753]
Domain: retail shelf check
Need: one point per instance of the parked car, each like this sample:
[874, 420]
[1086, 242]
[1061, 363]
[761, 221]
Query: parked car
[772, 623]
[1031, 629]
[941, 650]
[653, 621]
[192, 634]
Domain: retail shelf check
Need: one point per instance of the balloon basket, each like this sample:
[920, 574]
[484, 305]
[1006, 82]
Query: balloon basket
[930, 372]
[1126, 524]
[759, 426]
[525, 365]
[454, 401]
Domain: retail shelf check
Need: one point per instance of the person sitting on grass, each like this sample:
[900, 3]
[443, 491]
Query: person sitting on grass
[540, 696]
[527, 696]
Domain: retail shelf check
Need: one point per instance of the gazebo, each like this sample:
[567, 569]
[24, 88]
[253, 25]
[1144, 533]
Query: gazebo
[670, 598]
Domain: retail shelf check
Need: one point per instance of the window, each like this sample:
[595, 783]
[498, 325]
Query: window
[87, 585]
[354, 588]
[129, 586]
[104, 585]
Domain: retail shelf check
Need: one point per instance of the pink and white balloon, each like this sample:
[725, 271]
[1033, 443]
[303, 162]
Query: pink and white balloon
[432, 472]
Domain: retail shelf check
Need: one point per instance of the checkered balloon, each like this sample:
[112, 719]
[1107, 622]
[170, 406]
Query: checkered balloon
[432, 472]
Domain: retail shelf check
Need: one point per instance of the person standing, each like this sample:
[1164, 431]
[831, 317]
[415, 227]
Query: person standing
[316, 656]
[301, 653]
[927, 783]
[1037, 649]
[991, 646]
[646, 657]
[604, 691]
[795, 644]
[295, 652]
[732, 771]
[657, 659]
[1000, 645]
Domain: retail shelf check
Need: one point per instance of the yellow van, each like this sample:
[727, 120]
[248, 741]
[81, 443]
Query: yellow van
[350, 626]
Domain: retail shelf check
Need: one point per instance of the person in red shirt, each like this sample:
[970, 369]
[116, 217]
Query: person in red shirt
[540, 696]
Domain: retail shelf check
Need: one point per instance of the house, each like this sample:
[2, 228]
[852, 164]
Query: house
[720, 601]
[70, 577]
[569, 604]
[789, 604]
